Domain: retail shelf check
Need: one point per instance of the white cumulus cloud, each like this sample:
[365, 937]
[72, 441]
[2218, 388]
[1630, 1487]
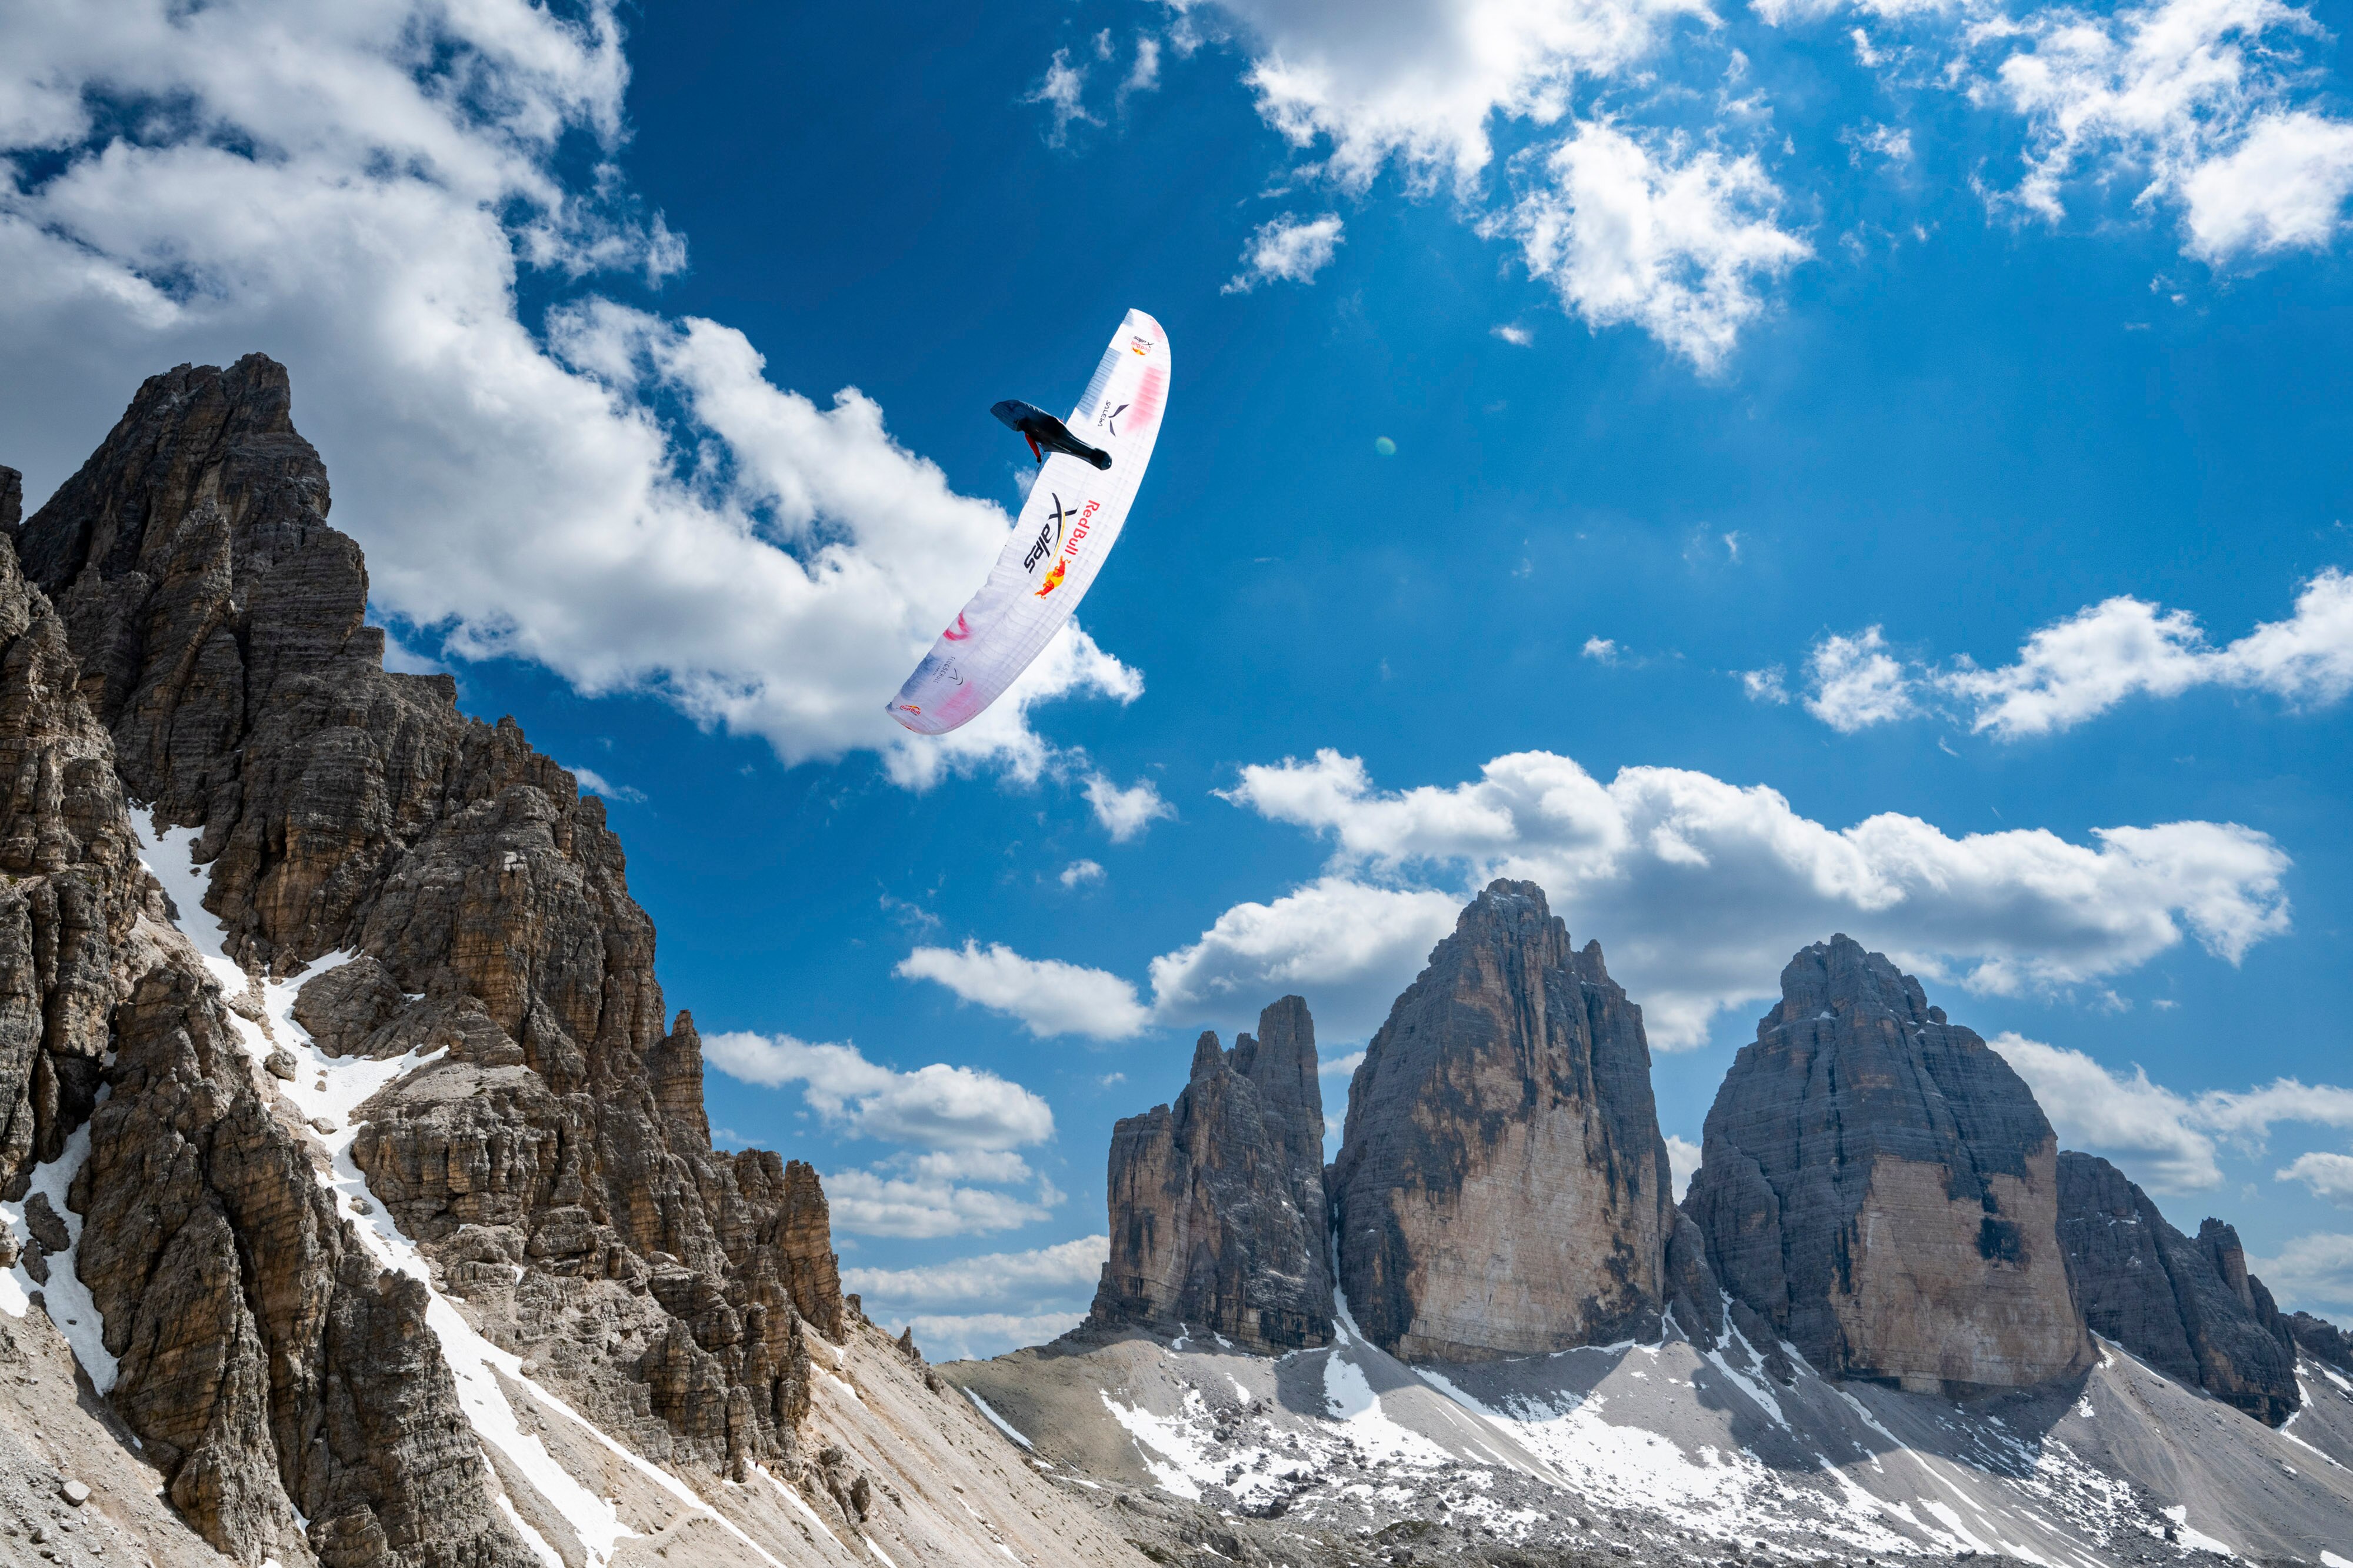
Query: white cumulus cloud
[1627, 228]
[1679, 240]
[960, 1128]
[1346, 946]
[1699, 890]
[1855, 682]
[1420, 82]
[1682, 1159]
[1017, 1280]
[2168, 1141]
[2203, 110]
[2248, 1116]
[2075, 669]
[935, 1107]
[985, 1305]
[2122, 648]
[1287, 250]
[2179, 99]
[2312, 1274]
[364, 191]
[2330, 1176]
[974, 1336]
[1125, 814]
[2143, 1127]
[1050, 996]
[875, 1202]
[2284, 187]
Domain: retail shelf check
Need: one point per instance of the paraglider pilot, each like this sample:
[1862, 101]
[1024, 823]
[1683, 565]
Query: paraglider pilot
[1047, 434]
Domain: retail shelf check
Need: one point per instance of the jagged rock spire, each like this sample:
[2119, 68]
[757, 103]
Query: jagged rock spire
[1502, 1186]
[1881, 1187]
[1217, 1203]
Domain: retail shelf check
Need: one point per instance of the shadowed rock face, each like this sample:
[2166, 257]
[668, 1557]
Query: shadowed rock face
[1502, 1187]
[208, 646]
[2188, 1307]
[1882, 1188]
[2322, 1339]
[1217, 1203]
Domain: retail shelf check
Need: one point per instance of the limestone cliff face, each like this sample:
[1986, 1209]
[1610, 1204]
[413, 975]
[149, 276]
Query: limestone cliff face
[207, 653]
[1882, 1188]
[264, 1363]
[1218, 1204]
[2189, 1308]
[1502, 1186]
[73, 887]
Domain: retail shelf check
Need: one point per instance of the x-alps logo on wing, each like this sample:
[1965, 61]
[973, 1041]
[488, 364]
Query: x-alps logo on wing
[1050, 532]
[1111, 420]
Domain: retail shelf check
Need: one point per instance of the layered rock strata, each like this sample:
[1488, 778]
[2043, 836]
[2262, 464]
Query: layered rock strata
[1502, 1187]
[1882, 1189]
[1217, 1202]
[209, 650]
[2187, 1307]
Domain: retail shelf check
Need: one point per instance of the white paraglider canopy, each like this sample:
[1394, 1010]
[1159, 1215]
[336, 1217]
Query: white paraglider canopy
[1074, 518]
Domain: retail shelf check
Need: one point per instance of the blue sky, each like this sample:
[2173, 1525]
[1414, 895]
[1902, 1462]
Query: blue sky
[1846, 462]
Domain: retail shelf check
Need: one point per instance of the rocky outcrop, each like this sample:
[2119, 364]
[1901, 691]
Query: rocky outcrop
[208, 649]
[266, 1362]
[72, 891]
[1502, 1187]
[2188, 1307]
[1882, 1189]
[1217, 1203]
[2321, 1340]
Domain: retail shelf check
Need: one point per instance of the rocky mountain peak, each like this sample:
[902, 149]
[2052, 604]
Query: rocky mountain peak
[1882, 1189]
[1502, 1186]
[1841, 977]
[194, 628]
[1217, 1202]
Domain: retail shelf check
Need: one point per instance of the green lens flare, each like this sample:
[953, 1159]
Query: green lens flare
[1385, 447]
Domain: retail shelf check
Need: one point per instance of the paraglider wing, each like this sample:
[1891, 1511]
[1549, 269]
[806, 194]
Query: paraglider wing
[1073, 519]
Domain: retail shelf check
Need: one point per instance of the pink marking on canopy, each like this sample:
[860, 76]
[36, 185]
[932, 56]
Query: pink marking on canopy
[1148, 393]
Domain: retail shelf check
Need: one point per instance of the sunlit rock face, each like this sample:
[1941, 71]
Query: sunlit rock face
[1217, 1201]
[1881, 1187]
[2188, 1307]
[1502, 1187]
